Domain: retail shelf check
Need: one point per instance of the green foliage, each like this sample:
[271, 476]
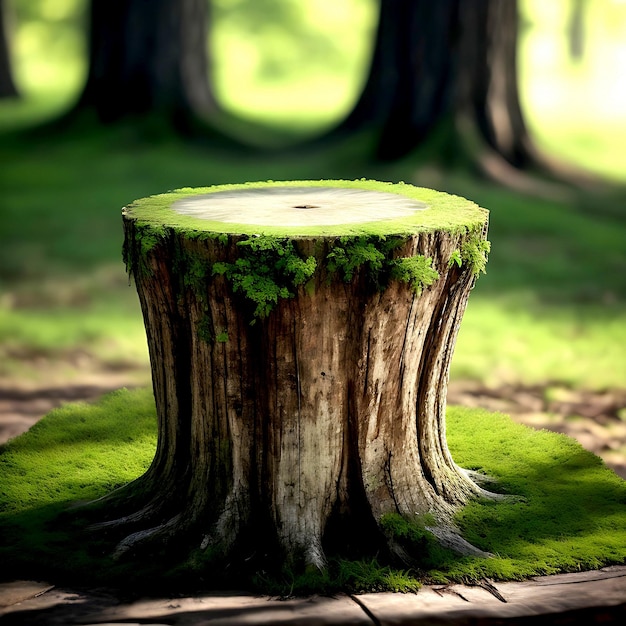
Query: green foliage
[204, 328]
[268, 269]
[474, 252]
[352, 254]
[417, 271]
[222, 337]
[349, 576]
[148, 237]
[194, 271]
[369, 576]
[455, 257]
[373, 256]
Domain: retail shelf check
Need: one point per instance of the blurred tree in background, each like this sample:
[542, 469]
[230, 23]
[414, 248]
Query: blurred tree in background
[449, 66]
[442, 75]
[148, 56]
[577, 29]
[449, 69]
[7, 84]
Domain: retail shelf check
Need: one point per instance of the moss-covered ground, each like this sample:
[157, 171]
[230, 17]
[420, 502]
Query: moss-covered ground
[568, 512]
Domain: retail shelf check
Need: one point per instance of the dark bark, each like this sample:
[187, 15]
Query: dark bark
[486, 89]
[488, 122]
[148, 56]
[7, 84]
[448, 69]
[409, 77]
[424, 75]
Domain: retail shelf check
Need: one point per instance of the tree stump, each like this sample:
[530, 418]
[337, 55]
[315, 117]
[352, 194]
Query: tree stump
[300, 337]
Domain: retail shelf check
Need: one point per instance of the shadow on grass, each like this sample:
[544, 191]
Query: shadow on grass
[568, 513]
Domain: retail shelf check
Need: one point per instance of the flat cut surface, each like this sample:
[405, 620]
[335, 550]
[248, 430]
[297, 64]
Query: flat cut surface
[336, 208]
[298, 206]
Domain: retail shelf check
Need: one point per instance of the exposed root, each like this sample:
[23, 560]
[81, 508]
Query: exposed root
[487, 585]
[484, 480]
[314, 556]
[478, 478]
[150, 511]
[163, 532]
[450, 538]
[497, 169]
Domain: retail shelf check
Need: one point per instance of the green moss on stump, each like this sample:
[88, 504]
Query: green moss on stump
[270, 267]
[445, 212]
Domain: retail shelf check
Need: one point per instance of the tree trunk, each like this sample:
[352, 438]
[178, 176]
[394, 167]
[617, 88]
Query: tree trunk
[576, 30]
[448, 70]
[425, 69]
[7, 84]
[408, 82]
[487, 94]
[488, 125]
[148, 56]
[300, 338]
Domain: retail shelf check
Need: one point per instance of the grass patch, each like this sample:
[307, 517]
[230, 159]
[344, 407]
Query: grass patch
[569, 514]
[517, 339]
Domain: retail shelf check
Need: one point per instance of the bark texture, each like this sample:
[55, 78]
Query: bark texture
[305, 430]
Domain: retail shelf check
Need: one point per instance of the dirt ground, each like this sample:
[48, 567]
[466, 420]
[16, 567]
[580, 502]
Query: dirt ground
[596, 420]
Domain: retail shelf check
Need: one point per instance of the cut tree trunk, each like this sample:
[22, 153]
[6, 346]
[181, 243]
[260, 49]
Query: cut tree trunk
[300, 337]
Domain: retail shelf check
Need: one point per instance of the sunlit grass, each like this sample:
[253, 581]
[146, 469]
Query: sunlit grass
[568, 512]
[56, 345]
[520, 342]
[80, 451]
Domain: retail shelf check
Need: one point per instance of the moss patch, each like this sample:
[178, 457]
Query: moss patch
[417, 271]
[474, 252]
[374, 257]
[269, 267]
[267, 270]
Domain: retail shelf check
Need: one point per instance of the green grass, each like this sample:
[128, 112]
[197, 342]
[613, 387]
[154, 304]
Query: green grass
[568, 513]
